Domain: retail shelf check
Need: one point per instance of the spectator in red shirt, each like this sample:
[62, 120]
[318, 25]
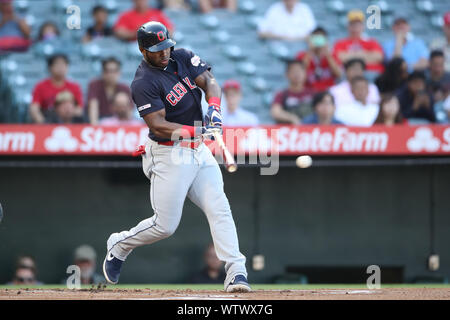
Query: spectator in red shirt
[45, 91]
[358, 46]
[102, 91]
[321, 67]
[130, 21]
[294, 103]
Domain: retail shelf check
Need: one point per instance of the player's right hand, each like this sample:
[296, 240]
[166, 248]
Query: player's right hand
[213, 118]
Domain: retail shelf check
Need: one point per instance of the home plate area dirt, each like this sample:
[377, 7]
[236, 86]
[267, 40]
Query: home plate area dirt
[151, 294]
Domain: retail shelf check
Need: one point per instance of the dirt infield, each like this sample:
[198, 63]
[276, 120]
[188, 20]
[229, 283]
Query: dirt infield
[150, 294]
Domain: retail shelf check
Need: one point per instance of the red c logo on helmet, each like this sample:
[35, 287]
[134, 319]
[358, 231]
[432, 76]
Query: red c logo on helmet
[161, 35]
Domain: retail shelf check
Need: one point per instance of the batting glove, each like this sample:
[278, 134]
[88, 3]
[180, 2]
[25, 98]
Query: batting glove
[213, 117]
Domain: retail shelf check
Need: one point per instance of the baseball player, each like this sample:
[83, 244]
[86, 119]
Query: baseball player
[166, 92]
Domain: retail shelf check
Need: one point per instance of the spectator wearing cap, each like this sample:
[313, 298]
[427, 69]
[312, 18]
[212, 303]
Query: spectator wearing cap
[324, 109]
[130, 21]
[85, 258]
[45, 91]
[342, 92]
[443, 43]
[438, 80]
[292, 104]
[14, 31]
[122, 108]
[288, 20]
[206, 6]
[360, 112]
[64, 109]
[233, 115]
[406, 45]
[101, 91]
[322, 69]
[356, 45]
[100, 27]
[415, 101]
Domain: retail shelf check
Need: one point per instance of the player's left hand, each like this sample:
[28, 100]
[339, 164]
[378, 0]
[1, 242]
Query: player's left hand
[213, 117]
[208, 132]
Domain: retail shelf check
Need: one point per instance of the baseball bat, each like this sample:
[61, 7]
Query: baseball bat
[228, 158]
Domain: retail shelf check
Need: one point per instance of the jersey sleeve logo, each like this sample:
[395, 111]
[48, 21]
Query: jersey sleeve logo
[195, 60]
[146, 106]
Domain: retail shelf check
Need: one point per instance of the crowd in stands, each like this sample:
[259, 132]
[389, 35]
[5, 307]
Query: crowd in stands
[354, 81]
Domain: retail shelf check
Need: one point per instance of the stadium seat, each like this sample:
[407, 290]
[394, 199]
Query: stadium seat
[247, 7]
[425, 6]
[336, 6]
[233, 52]
[21, 6]
[209, 22]
[246, 68]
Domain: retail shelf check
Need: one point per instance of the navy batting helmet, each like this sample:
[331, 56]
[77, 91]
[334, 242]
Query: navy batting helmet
[153, 36]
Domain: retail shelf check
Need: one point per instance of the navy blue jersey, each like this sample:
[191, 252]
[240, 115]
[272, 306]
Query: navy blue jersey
[172, 88]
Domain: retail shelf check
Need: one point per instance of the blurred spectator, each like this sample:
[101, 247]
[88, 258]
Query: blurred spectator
[406, 45]
[437, 78]
[287, 20]
[213, 271]
[64, 109]
[233, 114]
[102, 91]
[393, 77]
[443, 43]
[360, 112]
[24, 276]
[14, 31]
[176, 4]
[322, 68]
[359, 46]
[389, 113]
[446, 106]
[122, 108]
[25, 272]
[48, 31]
[342, 92]
[45, 91]
[100, 27]
[324, 109]
[294, 103]
[130, 21]
[415, 101]
[207, 6]
[85, 258]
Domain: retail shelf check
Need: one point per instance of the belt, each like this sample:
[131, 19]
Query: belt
[182, 143]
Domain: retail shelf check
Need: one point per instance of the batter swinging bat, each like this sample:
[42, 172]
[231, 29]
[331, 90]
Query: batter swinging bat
[228, 158]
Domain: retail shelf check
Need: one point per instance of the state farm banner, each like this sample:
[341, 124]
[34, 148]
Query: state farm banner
[285, 140]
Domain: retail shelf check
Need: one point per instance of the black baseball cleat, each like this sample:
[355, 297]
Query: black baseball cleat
[239, 284]
[111, 268]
